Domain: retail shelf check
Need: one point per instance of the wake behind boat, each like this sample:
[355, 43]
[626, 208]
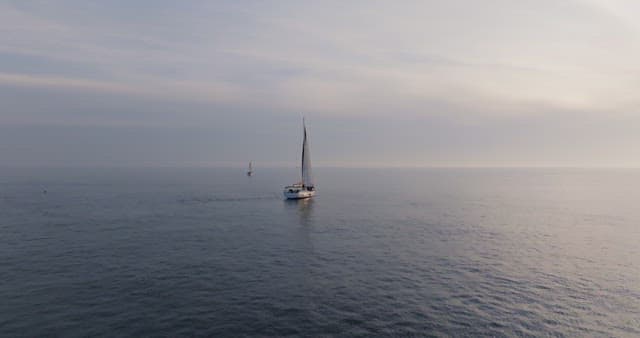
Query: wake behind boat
[305, 188]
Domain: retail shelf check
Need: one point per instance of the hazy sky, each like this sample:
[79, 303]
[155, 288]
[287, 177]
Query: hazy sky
[424, 83]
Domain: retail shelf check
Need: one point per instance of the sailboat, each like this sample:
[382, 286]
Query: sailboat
[250, 171]
[305, 188]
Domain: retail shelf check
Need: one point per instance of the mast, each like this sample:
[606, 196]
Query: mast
[304, 143]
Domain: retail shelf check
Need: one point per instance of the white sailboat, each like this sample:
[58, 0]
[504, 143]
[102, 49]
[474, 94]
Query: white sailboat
[305, 188]
[250, 171]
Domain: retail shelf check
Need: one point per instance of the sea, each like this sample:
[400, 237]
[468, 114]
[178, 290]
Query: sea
[210, 252]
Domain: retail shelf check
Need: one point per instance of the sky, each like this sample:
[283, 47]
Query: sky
[381, 83]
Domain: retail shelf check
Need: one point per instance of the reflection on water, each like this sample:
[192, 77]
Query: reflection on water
[303, 208]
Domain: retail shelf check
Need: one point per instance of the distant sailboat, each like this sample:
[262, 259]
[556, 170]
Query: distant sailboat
[305, 188]
[250, 171]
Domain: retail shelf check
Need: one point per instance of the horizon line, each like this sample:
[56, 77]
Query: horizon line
[328, 166]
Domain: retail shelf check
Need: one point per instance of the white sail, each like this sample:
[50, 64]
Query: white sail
[307, 179]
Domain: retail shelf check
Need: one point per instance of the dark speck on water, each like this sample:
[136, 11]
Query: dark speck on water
[387, 252]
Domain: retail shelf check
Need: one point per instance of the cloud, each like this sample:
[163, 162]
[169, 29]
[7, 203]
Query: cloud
[469, 75]
[338, 59]
[177, 90]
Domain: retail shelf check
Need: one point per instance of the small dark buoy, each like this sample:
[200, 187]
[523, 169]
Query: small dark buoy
[44, 191]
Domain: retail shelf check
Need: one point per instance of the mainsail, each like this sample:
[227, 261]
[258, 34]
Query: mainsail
[307, 180]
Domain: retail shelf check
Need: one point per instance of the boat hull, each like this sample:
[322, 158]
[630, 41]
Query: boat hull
[292, 194]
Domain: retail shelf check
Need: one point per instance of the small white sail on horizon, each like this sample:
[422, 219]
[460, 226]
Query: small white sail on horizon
[250, 171]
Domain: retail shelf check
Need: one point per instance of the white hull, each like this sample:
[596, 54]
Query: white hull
[298, 193]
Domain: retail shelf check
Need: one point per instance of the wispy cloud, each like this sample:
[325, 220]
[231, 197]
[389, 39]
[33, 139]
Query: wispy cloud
[347, 58]
[466, 62]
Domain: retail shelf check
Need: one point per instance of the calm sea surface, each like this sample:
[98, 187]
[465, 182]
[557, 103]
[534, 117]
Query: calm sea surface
[210, 252]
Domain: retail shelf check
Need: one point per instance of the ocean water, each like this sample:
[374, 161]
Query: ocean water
[169, 252]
